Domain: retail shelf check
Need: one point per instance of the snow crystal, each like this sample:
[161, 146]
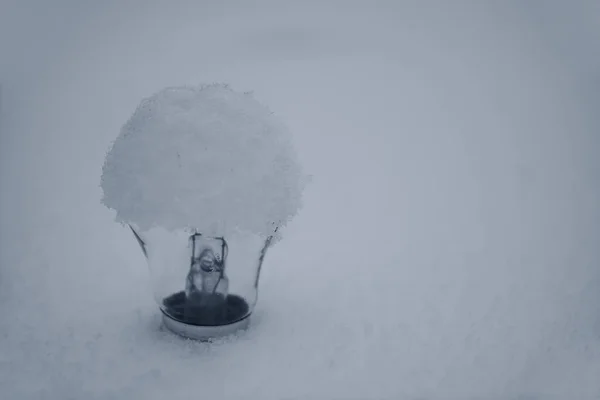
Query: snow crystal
[206, 158]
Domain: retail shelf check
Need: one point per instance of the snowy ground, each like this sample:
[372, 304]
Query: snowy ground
[448, 248]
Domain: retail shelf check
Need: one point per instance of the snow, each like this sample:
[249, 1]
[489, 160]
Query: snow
[448, 243]
[203, 157]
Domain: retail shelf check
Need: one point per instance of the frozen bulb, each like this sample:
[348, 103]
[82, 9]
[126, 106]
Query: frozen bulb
[205, 177]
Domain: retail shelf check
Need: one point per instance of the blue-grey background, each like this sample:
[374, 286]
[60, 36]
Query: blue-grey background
[449, 247]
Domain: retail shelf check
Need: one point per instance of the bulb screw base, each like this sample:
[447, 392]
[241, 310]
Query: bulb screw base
[204, 332]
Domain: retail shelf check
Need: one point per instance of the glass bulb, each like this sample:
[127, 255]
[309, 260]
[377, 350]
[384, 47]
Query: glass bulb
[205, 286]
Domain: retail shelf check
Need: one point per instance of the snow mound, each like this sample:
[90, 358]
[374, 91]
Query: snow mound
[205, 158]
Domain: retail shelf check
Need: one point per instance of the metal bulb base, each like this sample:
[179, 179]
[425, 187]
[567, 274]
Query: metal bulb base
[204, 332]
[205, 318]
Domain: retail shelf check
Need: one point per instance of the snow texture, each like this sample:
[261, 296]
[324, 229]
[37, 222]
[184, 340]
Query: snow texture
[205, 158]
[447, 248]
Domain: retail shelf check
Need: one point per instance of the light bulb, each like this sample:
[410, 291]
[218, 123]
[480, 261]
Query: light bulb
[218, 161]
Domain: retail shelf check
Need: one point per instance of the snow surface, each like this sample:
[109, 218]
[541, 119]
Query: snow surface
[448, 244]
[203, 157]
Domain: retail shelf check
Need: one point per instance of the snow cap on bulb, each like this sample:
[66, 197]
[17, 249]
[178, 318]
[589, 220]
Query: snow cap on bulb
[205, 158]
